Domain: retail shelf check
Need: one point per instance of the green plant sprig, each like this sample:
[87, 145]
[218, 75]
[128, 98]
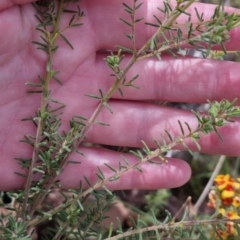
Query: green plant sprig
[132, 11]
[44, 116]
[54, 149]
[51, 40]
[171, 228]
[113, 62]
[214, 34]
[218, 115]
[73, 211]
[211, 32]
[170, 18]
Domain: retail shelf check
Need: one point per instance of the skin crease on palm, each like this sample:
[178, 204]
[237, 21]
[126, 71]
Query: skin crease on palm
[84, 71]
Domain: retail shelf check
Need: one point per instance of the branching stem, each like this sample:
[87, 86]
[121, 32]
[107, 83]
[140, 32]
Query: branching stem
[42, 113]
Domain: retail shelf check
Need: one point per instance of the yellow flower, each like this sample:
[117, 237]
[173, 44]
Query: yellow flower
[227, 191]
[222, 211]
[227, 194]
[232, 214]
[236, 202]
[236, 186]
[224, 182]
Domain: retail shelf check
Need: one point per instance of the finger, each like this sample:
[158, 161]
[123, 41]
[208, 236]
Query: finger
[17, 23]
[106, 20]
[9, 3]
[166, 175]
[175, 80]
[133, 122]
[172, 174]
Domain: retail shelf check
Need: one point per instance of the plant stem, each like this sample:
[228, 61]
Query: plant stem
[155, 153]
[166, 24]
[50, 181]
[207, 188]
[172, 226]
[42, 112]
[91, 121]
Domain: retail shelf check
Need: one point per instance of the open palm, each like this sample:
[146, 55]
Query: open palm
[84, 71]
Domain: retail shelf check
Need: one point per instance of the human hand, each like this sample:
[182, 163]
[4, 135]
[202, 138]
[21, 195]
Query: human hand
[83, 71]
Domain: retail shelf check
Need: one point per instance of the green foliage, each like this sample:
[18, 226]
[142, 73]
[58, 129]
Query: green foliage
[51, 149]
[157, 199]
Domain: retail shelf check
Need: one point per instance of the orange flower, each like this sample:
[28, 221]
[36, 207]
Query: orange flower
[227, 197]
[232, 215]
[230, 230]
[224, 182]
[227, 192]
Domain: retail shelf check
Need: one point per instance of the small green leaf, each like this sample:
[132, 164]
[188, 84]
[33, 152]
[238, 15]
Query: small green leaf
[33, 84]
[57, 80]
[111, 168]
[105, 104]
[71, 20]
[213, 111]
[69, 11]
[197, 116]
[216, 131]
[87, 181]
[120, 91]
[66, 40]
[73, 162]
[158, 144]
[21, 175]
[40, 44]
[130, 36]
[126, 6]
[110, 231]
[138, 20]
[124, 49]
[100, 172]
[114, 178]
[76, 24]
[125, 160]
[119, 223]
[169, 135]
[139, 5]
[138, 169]
[200, 17]
[126, 22]
[181, 128]
[92, 96]
[99, 176]
[102, 123]
[189, 129]
[152, 24]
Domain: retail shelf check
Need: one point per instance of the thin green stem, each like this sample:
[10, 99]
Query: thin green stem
[173, 226]
[50, 181]
[133, 31]
[91, 121]
[42, 113]
[155, 153]
[165, 25]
